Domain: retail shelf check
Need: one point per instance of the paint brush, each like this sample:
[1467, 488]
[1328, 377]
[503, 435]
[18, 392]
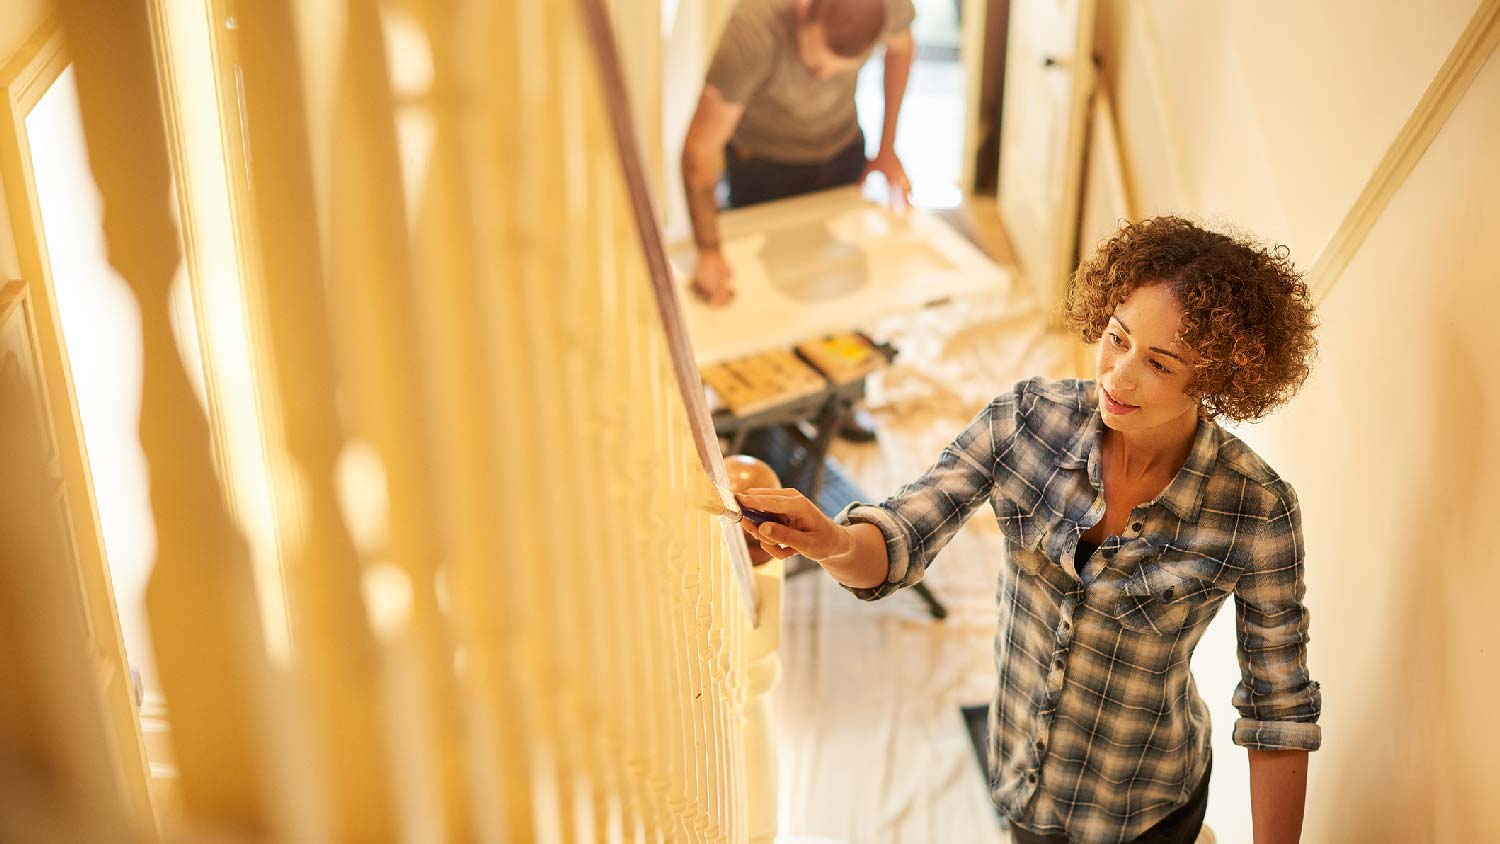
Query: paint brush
[720, 501]
[760, 517]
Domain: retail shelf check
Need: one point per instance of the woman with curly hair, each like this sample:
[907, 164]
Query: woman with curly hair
[1129, 517]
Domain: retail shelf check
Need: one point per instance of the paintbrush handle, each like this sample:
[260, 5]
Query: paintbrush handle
[760, 516]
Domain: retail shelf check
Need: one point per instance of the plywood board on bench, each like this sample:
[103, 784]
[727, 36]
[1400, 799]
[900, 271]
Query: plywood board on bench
[825, 263]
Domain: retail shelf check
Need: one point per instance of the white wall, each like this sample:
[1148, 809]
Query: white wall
[690, 31]
[1272, 116]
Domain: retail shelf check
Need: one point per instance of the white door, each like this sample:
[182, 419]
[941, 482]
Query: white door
[1049, 76]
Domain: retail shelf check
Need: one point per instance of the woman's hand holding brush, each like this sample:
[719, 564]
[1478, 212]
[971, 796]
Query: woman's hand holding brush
[785, 522]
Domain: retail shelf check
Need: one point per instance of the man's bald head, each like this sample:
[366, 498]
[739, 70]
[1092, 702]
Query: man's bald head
[850, 27]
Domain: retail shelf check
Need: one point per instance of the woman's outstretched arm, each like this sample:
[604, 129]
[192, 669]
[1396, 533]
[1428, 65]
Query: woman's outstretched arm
[854, 555]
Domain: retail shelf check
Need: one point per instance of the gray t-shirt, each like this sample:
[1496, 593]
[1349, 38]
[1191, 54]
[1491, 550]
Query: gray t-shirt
[790, 115]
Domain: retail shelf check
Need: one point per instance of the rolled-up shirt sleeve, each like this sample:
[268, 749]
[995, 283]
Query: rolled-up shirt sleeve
[920, 519]
[1277, 699]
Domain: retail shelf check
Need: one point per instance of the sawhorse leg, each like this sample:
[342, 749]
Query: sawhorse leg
[829, 422]
[934, 606]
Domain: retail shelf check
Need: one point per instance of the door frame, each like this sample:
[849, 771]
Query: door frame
[1048, 266]
[24, 79]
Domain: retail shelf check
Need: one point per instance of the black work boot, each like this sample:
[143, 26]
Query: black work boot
[858, 426]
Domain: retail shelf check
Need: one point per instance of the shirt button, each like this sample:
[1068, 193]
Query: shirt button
[1057, 663]
[1136, 527]
[1031, 778]
[1041, 744]
[1167, 595]
[1065, 626]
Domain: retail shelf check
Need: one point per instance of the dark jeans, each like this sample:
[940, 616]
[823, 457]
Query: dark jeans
[1180, 827]
[753, 180]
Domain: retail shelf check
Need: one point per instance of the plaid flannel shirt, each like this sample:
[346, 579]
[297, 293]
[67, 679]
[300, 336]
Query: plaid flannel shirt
[1097, 729]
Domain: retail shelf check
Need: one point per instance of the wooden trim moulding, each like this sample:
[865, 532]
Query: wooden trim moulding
[1443, 94]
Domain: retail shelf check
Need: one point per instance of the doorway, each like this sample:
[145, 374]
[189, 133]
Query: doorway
[930, 136]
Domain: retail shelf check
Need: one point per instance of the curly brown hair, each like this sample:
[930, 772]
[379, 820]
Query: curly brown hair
[1246, 310]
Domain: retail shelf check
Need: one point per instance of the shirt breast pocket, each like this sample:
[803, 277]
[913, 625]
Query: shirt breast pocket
[1017, 502]
[1167, 591]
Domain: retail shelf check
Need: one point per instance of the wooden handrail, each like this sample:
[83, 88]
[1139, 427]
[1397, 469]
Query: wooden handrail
[689, 383]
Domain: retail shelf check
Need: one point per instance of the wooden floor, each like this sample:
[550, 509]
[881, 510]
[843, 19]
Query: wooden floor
[873, 747]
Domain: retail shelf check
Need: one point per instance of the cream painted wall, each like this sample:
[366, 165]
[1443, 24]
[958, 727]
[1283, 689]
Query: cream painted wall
[20, 19]
[1272, 118]
[1394, 451]
[1270, 114]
